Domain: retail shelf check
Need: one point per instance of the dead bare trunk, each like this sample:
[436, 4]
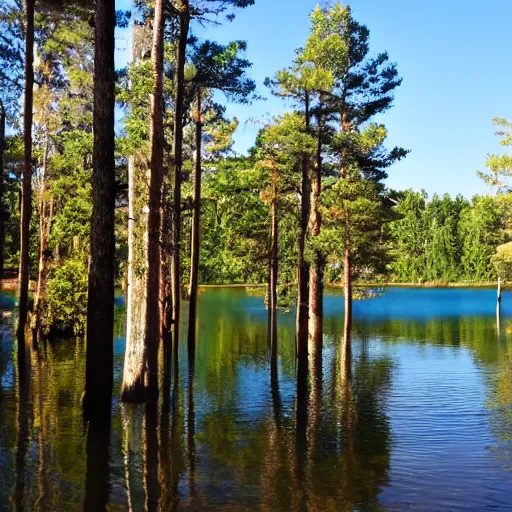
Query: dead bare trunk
[3, 208]
[153, 318]
[195, 238]
[184, 20]
[26, 187]
[132, 389]
[100, 306]
[302, 265]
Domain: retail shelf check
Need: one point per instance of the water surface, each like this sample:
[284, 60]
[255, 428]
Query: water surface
[420, 418]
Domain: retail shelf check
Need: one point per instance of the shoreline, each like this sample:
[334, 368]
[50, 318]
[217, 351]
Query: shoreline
[10, 283]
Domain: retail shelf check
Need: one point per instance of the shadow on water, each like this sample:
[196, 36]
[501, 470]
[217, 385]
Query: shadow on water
[242, 425]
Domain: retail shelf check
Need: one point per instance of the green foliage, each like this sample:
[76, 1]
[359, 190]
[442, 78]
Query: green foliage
[502, 261]
[66, 300]
[500, 166]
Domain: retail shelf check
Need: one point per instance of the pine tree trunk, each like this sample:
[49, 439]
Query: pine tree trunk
[153, 312]
[3, 208]
[45, 219]
[132, 389]
[302, 265]
[100, 306]
[316, 272]
[184, 20]
[195, 238]
[347, 290]
[273, 265]
[26, 187]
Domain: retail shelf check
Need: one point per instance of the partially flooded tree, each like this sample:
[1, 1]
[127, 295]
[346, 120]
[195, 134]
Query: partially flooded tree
[184, 11]
[363, 87]
[100, 305]
[26, 188]
[301, 82]
[217, 67]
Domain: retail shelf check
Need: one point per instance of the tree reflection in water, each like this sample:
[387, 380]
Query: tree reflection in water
[239, 425]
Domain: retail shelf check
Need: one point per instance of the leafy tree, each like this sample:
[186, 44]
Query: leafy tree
[499, 166]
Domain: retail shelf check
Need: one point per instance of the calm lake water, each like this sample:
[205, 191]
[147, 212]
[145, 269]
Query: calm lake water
[419, 419]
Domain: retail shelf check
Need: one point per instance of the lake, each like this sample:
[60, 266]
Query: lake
[419, 419]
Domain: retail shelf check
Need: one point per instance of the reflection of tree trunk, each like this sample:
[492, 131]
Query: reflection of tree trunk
[26, 186]
[3, 207]
[196, 211]
[315, 406]
[150, 457]
[39, 399]
[23, 427]
[302, 265]
[273, 263]
[97, 475]
[176, 448]
[100, 304]
[301, 429]
[132, 435]
[316, 272]
[184, 21]
[191, 444]
[164, 461]
[153, 311]
[45, 220]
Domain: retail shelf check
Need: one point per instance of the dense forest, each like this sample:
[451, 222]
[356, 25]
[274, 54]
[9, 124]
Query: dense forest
[128, 178]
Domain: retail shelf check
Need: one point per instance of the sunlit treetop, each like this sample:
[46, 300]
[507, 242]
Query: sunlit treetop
[499, 166]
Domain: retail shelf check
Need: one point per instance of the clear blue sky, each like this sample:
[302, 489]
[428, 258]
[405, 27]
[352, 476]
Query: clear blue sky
[454, 57]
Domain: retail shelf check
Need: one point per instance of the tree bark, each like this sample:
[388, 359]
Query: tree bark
[302, 265]
[153, 312]
[132, 389]
[100, 306]
[26, 187]
[347, 290]
[195, 238]
[316, 272]
[184, 20]
[273, 263]
[3, 209]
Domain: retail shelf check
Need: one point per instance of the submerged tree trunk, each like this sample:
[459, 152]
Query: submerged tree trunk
[273, 264]
[3, 208]
[498, 305]
[316, 272]
[26, 187]
[184, 20]
[347, 289]
[100, 305]
[302, 265]
[132, 389]
[45, 220]
[153, 317]
[195, 238]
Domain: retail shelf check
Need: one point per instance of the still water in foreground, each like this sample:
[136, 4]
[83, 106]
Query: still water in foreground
[419, 419]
